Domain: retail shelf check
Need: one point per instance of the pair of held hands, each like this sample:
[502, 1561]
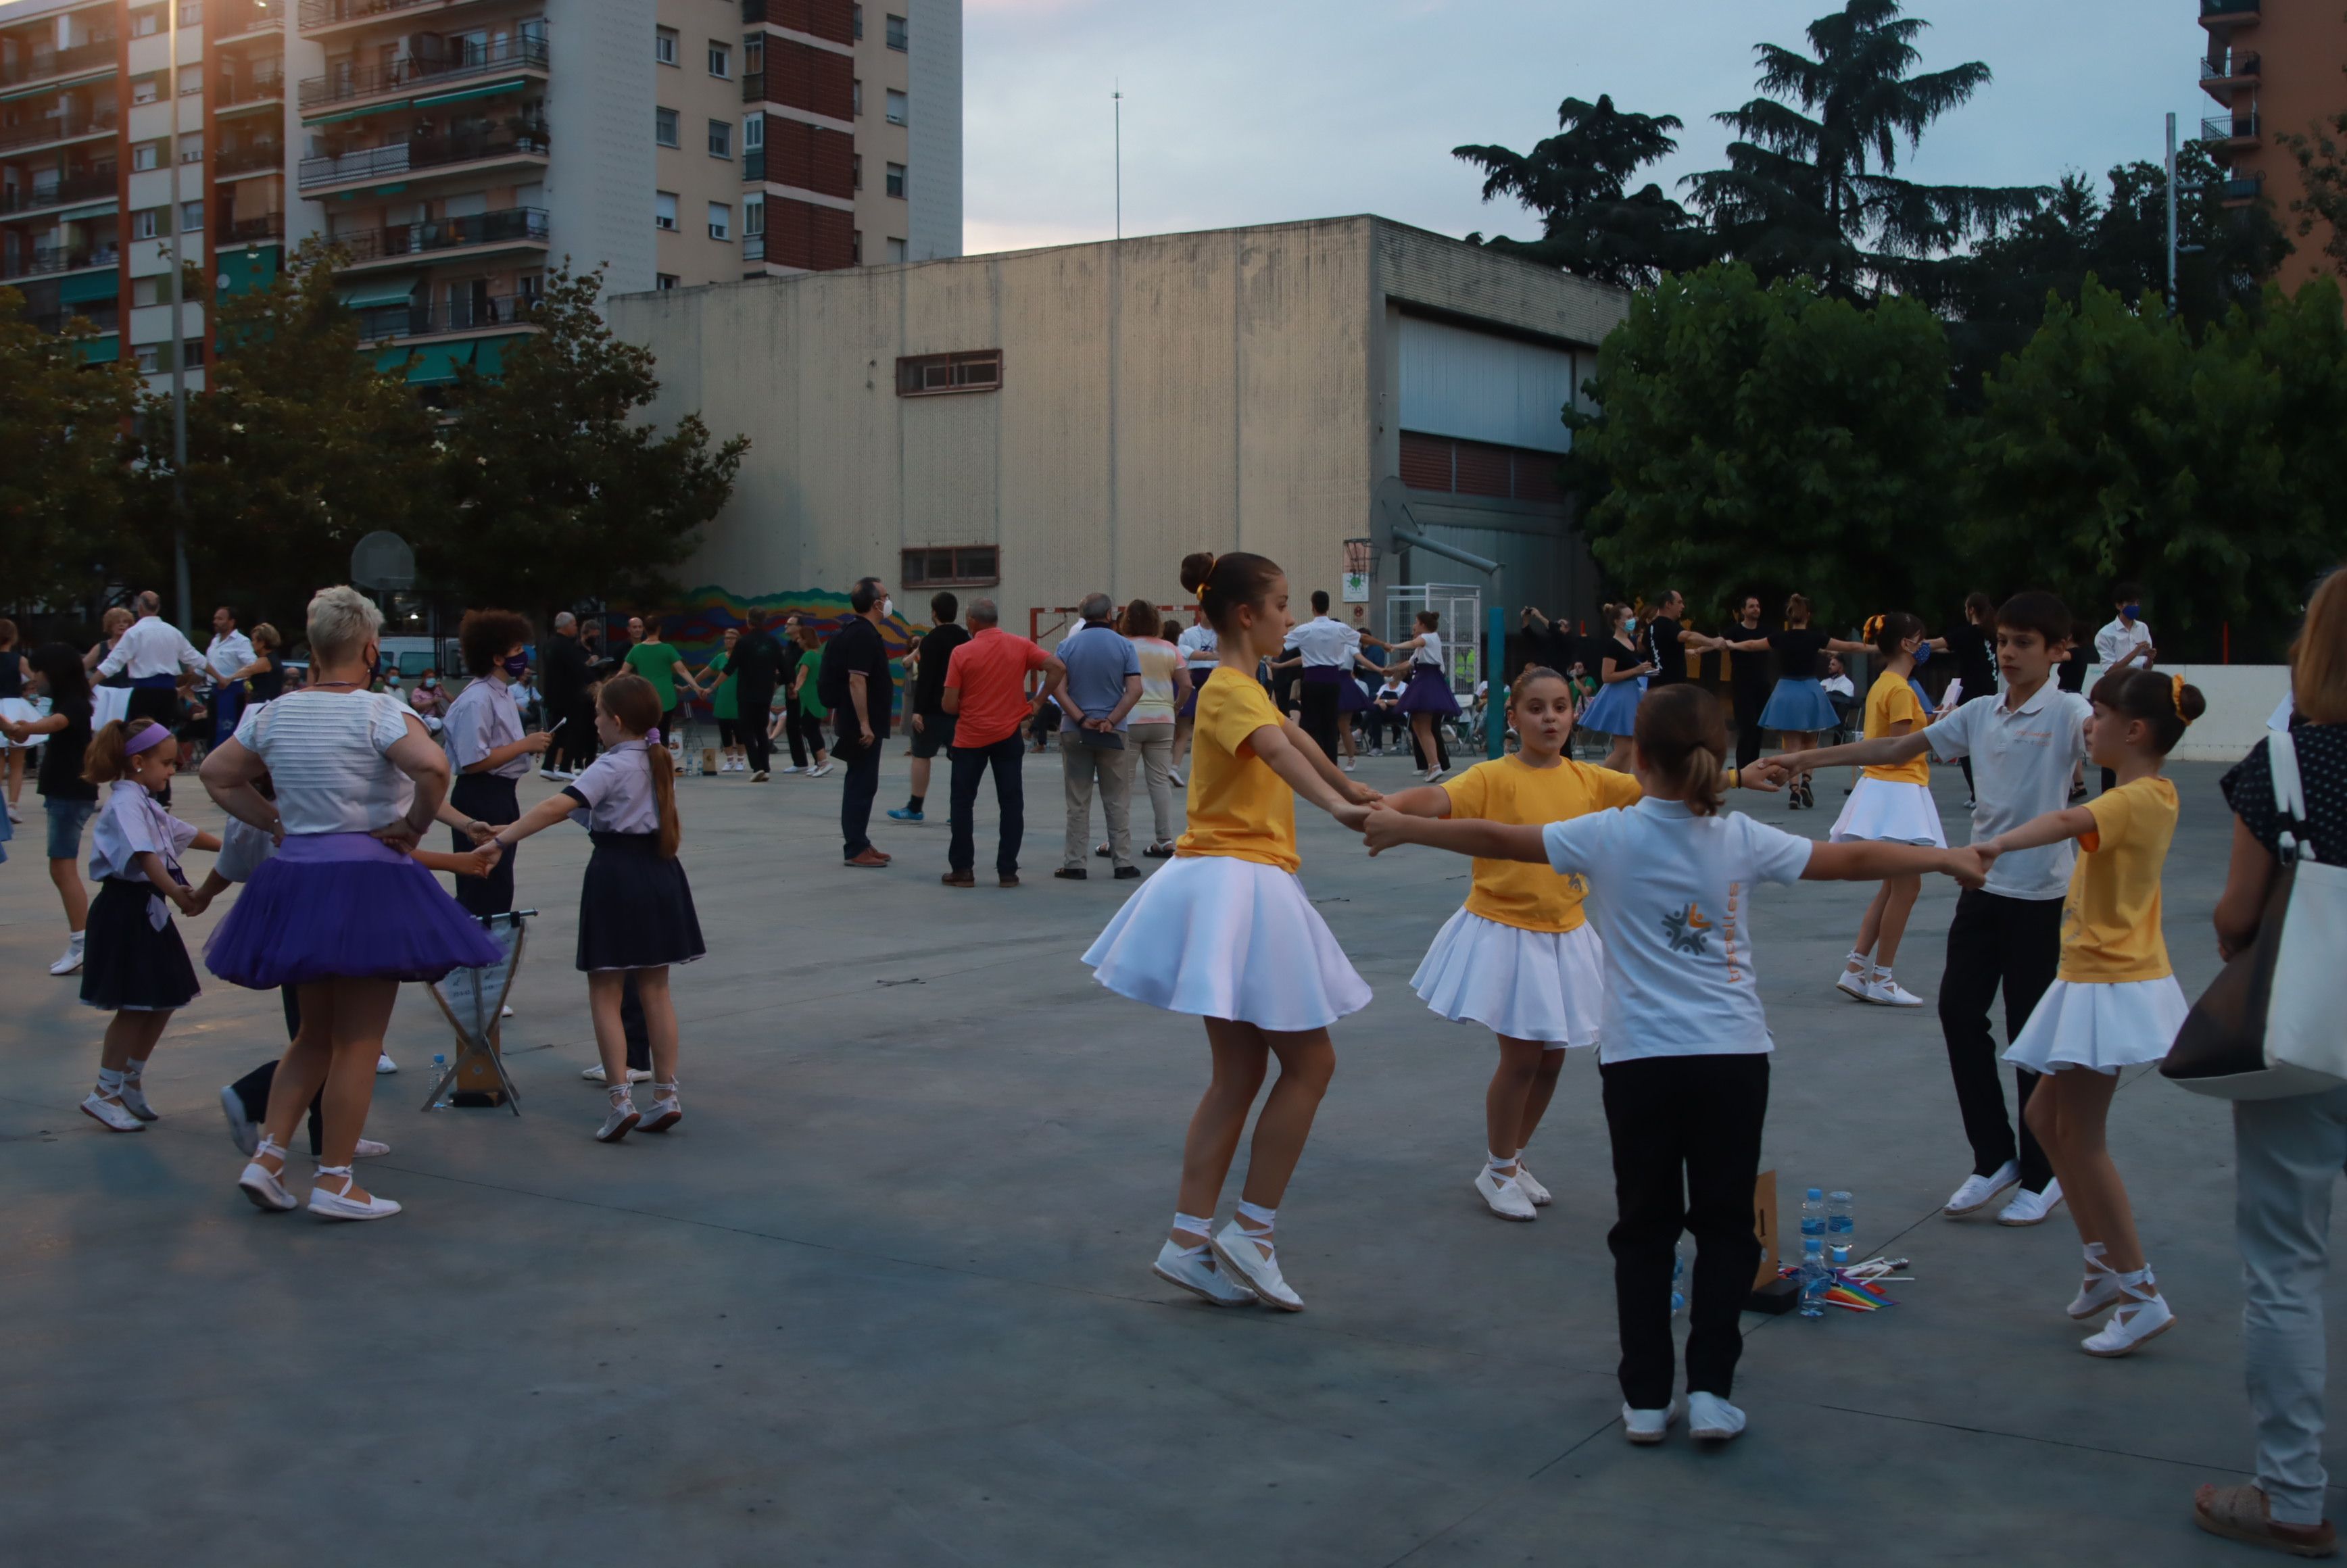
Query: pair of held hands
[407, 839]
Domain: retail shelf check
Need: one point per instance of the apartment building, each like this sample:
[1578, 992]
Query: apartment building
[455, 149]
[2275, 66]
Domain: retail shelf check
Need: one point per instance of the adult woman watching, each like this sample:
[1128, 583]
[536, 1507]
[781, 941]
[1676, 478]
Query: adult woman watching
[341, 912]
[1149, 728]
[485, 743]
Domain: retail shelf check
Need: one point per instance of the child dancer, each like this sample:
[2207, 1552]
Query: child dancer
[1226, 932]
[1892, 803]
[1622, 674]
[1428, 698]
[1685, 1046]
[2115, 1002]
[134, 964]
[635, 907]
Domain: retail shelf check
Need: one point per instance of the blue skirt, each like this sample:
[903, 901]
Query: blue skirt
[1799, 708]
[1614, 710]
[344, 905]
[1429, 692]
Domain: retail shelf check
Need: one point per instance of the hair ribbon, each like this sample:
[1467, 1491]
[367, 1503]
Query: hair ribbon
[651, 736]
[1209, 576]
[2176, 695]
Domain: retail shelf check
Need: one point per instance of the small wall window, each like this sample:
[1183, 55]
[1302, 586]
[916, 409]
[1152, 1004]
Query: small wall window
[150, 357]
[859, 13]
[753, 215]
[720, 138]
[952, 566]
[896, 180]
[145, 89]
[895, 250]
[664, 211]
[897, 33]
[721, 60]
[192, 81]
[150, 221]
[857, 159]
[664, 280]
[753, 132]
[856, 95]
[898, 111]
[146, 155]
[665, 126]
[921, 374]
[191, 214]
[146, 23]
[664, 46]
[720, 221]
[192, 147]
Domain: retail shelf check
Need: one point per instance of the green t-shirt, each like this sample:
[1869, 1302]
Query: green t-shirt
[724, 702]
[656, 662]
[812, 662]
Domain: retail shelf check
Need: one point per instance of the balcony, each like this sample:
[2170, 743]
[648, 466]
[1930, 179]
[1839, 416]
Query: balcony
[2230, 66]
[2228, 131]
[318, 15]
[253, 158]
[373, 163]
[66, 126]
[2241, 191]
[268, 227]
[262, 85]
[87, 57]
[2238, 13]
[59, 259]
[513, 226]
[90, 186]
[104, 315]
[753, 247]
[235, 18]
[349, 83]
[466, 315]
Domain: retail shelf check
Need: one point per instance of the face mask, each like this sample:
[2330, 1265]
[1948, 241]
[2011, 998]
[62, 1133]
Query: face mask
[518, 665]
[429, 683]
[2132, 611]
[887, 607]
[1922, 654]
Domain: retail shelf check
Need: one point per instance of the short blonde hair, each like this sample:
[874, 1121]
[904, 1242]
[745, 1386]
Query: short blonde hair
[265, 636]
[2317, 660]
[341, 621]
[116, 619]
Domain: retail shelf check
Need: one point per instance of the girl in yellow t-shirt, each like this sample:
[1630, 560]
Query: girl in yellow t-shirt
[1224, 931]
[1891, 804]
[2114, 1001]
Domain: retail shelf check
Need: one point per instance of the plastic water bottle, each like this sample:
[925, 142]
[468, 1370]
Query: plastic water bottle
[440, 1071]
[1813, 1217]
[1679, 1282]
[1841, 1228]
[1816, 1278]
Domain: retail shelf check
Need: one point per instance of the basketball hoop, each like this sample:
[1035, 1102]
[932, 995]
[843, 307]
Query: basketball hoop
[1361, 557]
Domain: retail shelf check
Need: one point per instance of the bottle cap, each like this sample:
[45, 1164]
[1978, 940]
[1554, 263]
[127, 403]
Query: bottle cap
[1812, 1244]
[1817, 1192]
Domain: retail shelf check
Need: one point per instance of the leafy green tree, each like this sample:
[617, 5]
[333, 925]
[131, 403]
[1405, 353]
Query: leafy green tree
[556, 488]
[1578, 181]
[1769, 439]
[1811, 188]
[2322, 155]
[62, 482]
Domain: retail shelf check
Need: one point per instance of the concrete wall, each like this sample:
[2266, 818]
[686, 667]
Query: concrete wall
[2241, 697]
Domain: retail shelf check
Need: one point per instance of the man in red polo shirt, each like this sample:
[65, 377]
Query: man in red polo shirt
[985, 691]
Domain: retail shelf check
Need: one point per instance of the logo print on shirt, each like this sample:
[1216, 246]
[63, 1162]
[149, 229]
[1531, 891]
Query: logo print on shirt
[1687, 931]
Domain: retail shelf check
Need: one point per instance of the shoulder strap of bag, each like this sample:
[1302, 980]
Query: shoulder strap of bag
[2289, 797]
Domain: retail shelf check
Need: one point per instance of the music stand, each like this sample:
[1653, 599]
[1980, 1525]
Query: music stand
[473, 998]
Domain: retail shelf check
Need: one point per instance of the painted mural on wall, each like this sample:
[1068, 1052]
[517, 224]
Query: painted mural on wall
[698, 621]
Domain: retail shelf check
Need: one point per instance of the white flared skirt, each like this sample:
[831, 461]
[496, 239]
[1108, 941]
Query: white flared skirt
[1223, 938]
[1548, 986]
[2103, 1024]
[1891, 811]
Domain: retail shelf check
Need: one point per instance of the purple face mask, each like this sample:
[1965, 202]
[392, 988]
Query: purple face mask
[518, 665]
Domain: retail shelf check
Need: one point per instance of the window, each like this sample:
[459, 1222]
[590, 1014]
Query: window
[721, 60]
[753, 132]
[720, 138]
[857, 160]
[191, 80]
[150, 358]
[720, 221]
[191, 353]
[897, 107]
[897, 33]
[148, 222]
[146, 155]
[753, 216]
[664, 211]
[1479, 468]
[192, 147]
[957, 565]
[146, 23]
[896, 180]
[665, 126]
[664, 46]
[895, 250]
[191, 214]
[663, 279]
[857, 106]
[753, 56]
[145, 89]
[978, 371]
[859, 13]
[149, 292]
[856, 247]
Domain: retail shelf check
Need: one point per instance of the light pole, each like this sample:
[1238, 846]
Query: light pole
[179, 348]
[1116, 100]
[2171, 212]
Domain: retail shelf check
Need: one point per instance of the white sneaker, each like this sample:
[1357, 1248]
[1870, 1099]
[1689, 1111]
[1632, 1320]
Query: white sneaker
[1503, 1197]
[384, 1063]
[2028, 1208]
[1979, 1192]
[1195, 1270]
[505, 1011]
[1176, 775]
[1255, 1264]
[1884, 992]
[243, 1130]
[1532, 1189]
[268, 1193]
[1646, 1427]
[2140, 1317]
[71, 963]
[15, 815]
[333, 1206]
[1713, 1418]
[635, 1074]
[557, 774]
[368, 1149]
[110, 1113]
[134, 1099]
[817, 773]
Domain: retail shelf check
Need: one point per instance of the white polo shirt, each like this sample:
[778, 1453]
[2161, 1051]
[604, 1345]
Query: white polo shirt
[1326, 645]
[150, 650]
[2113, 641]
[229, 654]
[2022, 760]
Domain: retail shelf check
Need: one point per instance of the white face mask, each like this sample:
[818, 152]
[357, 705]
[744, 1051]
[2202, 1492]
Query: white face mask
[887, 607]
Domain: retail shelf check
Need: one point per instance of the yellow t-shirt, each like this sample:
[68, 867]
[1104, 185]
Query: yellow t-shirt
[2110, 921]
[1890, 700]
[1520, 893]
[1238, 807]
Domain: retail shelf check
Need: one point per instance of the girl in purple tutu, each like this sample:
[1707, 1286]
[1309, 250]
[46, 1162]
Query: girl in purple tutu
[635, 907]
[1427, 699]
[343, 912]
[134, 964]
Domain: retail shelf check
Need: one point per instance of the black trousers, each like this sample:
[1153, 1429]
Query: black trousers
[1686, 1132]
[805, 732]
[253, 1089]
[1993, 941]
[1005, 757]
[856, 793]
[1320, 717]
[492, 800]
[753, 704]
[1749, 701]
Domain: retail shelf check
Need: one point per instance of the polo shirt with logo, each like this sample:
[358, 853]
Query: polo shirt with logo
[2022, 760]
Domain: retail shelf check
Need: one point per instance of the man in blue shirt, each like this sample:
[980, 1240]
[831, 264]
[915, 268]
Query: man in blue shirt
[1101, 684]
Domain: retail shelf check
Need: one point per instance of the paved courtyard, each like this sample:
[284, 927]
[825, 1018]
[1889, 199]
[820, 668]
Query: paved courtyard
[884, 1297]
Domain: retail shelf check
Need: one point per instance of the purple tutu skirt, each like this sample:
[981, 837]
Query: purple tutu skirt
[1429, 692]
[344, 905]
[1191, 681]
[1351, 698]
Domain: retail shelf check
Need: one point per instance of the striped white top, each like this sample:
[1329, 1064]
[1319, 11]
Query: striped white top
[324, 752]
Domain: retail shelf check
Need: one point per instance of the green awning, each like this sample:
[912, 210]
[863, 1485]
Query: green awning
[82, 80]
[435, 363]
[457, 97]
[370, 293]
[490, 358]
[102, 349]
[355, 114]
[84, 287]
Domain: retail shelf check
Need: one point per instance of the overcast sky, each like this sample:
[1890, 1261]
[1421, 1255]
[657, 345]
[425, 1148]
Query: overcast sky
[1266, 110]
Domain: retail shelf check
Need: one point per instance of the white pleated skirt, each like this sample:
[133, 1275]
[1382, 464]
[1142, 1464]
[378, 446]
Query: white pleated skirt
[1548, 986]
[1890, 812]
[1217, 937]
[2104, 1025]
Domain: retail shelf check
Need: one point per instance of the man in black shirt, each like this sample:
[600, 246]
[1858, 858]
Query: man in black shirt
[1669, 642]
[860, 693]
[933, 727]
[1974, 647]
[1748, 681]
[563, 682]
[1549, 643]
[756, 666]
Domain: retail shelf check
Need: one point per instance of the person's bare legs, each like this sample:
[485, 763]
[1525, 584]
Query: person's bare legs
[2071, 1125]
[604, 990]
[1617, 758]
[1307, 1061]
[1183, 723]
[1897, 901]
[659, 1024]
[1521, 1086]
[66, 877]
[300, 1071]
[361, 1012]
[1422, 726]
[15, 756]
[1240, 1054]
[129, 1036]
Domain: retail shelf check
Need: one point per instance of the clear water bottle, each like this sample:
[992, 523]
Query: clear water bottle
[1678, 1281]
[1813, 1217]
[1816, 1278]
[440, 1100]
[1841, 1229]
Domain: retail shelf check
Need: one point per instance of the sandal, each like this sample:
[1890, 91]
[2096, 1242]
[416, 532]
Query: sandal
[2245, 1513]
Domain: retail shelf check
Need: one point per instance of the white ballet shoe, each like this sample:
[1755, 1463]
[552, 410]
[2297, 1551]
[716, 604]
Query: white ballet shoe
[1532, 1189]
[368, 1149]
[339, 1204]
[2142, 1314]
[2100, 1288]
[110, 1113]
[134, 1099]
[1250, 1259]
[1502, 1197]
[264, 1186]
[1194, 1269]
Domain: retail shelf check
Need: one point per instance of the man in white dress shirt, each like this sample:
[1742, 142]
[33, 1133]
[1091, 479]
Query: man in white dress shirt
[1324, 645]
[228, 651]
[160, 661]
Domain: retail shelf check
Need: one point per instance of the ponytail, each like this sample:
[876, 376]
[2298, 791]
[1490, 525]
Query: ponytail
[1682, 734]
[671, 830]
[635, 707]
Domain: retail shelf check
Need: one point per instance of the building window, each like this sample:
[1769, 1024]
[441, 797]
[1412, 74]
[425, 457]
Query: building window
[146, 155]
[897, 33]
[978, 371]
[858, 12]
[150, 358]
[1479, 469]
[952, 566]
[191, 215]
[664, 46]
[664, 211]
[753, 215]
[896, 180]
[146, 23]
[753, 56]
[145, 90]
[856, 247]
[148, 222]
[720, 138]
[665, 126]
[192, 81]
[753, 132]
[857, 104]
[857, 160]
[895, 250]
[192, 147]
[720, 60]
[720, 221]
[897, 107]
[664, 280]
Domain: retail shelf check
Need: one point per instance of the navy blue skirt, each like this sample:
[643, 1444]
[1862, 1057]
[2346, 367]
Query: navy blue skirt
[635, 906]
[1429, 692]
